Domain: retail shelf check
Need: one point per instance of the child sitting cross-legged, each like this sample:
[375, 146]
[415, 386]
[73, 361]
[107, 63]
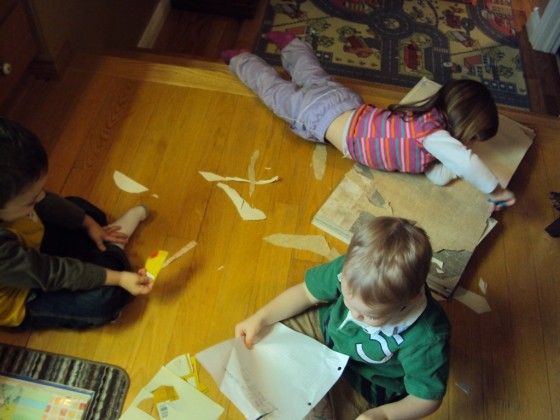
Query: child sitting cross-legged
[373, 305]
[61, 264]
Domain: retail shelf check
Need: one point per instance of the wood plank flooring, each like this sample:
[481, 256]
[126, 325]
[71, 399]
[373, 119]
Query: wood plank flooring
[161, 122]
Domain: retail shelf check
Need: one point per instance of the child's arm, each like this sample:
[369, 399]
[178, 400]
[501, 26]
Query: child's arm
[409, 407]
[462, 162]
[100, 234]
[287, 304]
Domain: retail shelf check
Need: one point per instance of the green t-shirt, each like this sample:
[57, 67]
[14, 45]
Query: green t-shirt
[384, 367]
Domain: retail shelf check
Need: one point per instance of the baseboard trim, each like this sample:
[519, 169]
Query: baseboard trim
[153, 28]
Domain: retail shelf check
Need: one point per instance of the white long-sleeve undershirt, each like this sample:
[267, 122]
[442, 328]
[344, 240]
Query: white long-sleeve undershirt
[457, 161]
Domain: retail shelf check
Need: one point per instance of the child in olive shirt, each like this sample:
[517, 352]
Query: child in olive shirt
[372, 305]
[61, 264]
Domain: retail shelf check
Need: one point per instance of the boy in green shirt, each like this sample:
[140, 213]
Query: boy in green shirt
[372, 305]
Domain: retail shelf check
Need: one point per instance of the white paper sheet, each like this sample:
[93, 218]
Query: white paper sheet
[283, 377]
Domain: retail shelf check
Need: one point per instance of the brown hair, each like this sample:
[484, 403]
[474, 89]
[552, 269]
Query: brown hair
[388, 261]
[467, 106]
[23, 160]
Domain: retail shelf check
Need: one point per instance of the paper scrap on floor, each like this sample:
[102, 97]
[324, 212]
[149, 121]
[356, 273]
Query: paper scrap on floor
[127, 184]
[319, 161]
[283, 377]
[243, 207]
[212, 177]
[173, 394]
[313, 243]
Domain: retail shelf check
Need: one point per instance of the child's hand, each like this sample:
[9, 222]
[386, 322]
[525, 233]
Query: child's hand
[100, 234]
[500, 198]
[249, 329]
[136, 283]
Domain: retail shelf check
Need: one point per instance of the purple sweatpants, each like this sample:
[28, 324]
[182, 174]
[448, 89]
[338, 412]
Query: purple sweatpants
[309, 102]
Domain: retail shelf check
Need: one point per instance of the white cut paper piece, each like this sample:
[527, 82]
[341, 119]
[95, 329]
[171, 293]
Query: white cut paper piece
[314, 243]
[251, 172]
[463, 387]
[439, 271]
[482, 285]
[155, 195]
[319, 161]
[212, 177]
[192, 404]
[283, 377]
[243, 208]
[437, 262]
[476, 302]
[128, 184]
[179, 253]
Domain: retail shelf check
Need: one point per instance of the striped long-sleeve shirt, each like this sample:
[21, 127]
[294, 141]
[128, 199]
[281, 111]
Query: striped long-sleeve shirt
[383, 141]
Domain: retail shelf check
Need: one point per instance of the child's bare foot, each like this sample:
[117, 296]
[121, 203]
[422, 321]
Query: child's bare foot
[130, 220]
[279, 38]
[227, 55]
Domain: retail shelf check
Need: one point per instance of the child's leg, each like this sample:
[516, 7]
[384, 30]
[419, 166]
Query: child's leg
[309, 110]
[280, 96]
[74, 309]
[346, 402]
[73, 243]
[300, 61]
[84, 308]
[130, 220]
[298, 58]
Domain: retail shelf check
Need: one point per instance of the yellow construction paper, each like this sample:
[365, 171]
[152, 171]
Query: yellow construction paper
[165, 393]
[154, 263]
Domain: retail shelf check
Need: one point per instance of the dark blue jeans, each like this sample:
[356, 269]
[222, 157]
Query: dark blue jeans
[84, 308]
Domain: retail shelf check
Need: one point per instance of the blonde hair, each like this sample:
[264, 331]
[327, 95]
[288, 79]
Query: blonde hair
[467, 107]
[388, 261]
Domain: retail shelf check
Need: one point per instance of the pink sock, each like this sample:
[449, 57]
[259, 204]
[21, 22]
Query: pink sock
[280, 39]
[227, 55]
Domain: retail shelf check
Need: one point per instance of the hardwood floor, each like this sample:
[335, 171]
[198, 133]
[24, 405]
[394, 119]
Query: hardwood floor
[207, 35]
[162, 119]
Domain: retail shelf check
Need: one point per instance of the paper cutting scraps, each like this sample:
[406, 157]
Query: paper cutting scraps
[186, 367]
[319, 161]
[128, 184]
[463, 387]
[179, 253]
[483, 286]
[314, 243]
[173, 394]
[251, 172]
[476, 302]
[286, 373]
[243, 208]
[212, 177]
